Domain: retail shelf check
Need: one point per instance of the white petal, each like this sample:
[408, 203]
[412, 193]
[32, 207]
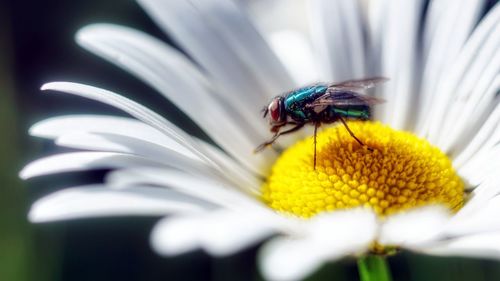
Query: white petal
[296, 54]
[344, 226]
[433, 19]
[482, 216]
[64, 125]
[209, 189]
[325, 238]
[149, 117]
[474, 114]
[220, 233]
[273, 16]
[220, 37]
[56, 127]
[176, 236]
[376, 18]
[285, 259]
[449, 24]
[337, 32]
[474, 86]
[481, 167]
[122, 144]
[413, 227]
[233, 170]
[481, 144]
[82, 161]
[485, 245]
[463, 72]
[230, 21]
[489, 187]
[169, 72]
[398, 61]
[136, 110]
[98, 201]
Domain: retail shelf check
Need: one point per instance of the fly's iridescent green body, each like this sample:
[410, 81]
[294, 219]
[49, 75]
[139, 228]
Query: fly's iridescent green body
[320, 104]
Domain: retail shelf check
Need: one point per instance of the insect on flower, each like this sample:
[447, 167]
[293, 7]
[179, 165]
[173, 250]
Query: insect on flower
[320, 103]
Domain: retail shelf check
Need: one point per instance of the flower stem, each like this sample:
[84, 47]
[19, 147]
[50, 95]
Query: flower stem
[373, 268]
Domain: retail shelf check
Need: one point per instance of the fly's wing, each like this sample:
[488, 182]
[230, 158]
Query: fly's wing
[335, 97]
[356, 85]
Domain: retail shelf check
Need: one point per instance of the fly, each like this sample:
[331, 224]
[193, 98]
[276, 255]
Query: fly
[320, 104]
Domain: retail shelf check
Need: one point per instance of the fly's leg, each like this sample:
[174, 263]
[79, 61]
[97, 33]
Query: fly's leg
[316, 125]
[352, 134]
[276, 135]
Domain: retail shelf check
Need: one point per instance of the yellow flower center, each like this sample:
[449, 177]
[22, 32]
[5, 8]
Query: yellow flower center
[399, 172]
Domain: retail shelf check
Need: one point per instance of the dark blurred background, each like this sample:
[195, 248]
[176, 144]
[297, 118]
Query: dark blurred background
[37, 46]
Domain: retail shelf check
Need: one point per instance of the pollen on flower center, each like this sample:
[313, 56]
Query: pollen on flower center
[402, 171]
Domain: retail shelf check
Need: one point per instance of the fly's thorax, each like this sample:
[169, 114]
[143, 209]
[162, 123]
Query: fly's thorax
[299, 98]
[296, 102]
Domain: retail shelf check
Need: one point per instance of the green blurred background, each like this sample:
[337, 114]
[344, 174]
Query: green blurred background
[36, 46]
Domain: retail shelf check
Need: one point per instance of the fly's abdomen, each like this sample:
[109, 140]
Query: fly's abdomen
[352, 112]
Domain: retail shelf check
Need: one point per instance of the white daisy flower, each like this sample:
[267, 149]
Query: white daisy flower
[436, 193]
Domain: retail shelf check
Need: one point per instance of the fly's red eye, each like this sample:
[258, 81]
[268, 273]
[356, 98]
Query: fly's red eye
[274, 109]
